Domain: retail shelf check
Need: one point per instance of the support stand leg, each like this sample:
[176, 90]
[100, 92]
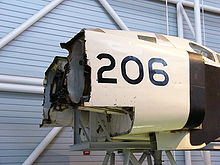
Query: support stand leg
[76, 126]
[142, 158]
[149, 159]
[106, 159]
[126, 157]
[133, 159]
[147, 155]
[157, 157]
[112, 159]
[171, 158]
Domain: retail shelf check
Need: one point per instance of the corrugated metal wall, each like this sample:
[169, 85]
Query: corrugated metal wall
[32, 52]
[213, 3]
[211, 28]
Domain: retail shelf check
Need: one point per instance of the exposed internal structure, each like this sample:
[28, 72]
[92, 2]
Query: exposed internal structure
[68, 87]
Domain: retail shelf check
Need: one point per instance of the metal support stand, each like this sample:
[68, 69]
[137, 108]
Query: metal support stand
[147, 155]
[76, 131]
[126, 157]
[109, 155]
[157, 157]
[130, 159]
[171, 158]
[112, 159]
[106, 159]
[134, 160]
[95, 136]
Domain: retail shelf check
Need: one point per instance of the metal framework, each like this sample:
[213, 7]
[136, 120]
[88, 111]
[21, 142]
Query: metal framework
[87, 139]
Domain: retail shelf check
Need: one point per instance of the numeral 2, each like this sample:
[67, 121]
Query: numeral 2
[106, 68]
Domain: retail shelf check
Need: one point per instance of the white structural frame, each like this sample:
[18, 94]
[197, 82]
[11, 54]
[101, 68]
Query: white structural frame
[113, 14]
[197, 19]
[191, 5]
[29, 85]
[20, 29]
[186, 18]
[42, 146]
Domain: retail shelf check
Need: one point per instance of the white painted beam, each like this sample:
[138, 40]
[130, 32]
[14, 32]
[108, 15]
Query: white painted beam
[197, 18]
[179, 20]
[6, 87]
[187, 19]
[20, 29]
[113, 14]
[42, 146]
[191, 4]
[21, 80]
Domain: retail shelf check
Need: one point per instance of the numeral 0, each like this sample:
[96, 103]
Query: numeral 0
[140, 77]
[124, 73]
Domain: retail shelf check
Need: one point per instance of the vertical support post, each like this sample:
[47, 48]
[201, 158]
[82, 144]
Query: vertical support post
[167, 17]
[92, 126]
[188, 159]
[106, 159]
[197, 18]
[179, 20]
[112, 159]
[207, 158]
[76, 126]
[157, 157]
[126, 157]
[149, 159]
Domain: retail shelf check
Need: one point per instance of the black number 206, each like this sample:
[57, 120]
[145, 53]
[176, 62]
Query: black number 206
[140, 77]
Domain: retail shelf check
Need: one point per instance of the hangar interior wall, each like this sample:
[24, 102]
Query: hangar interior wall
[31, 53]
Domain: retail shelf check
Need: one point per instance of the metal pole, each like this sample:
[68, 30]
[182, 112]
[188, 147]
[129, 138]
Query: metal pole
[12, 35]
[207, 158]
[142, 158]
[191, 4]
[20, 80]
[6, 87]
[149, 160]
[106, 159]
[113, 14]
[133, 159]
[188, 160]
[197, 18]
[187, 19]
[126, 157]
[179, 20]
[41, 147]
[167, 17]
[171, 158]
[157, 157]
[112, 159]
[76, 126]
[21, 84]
